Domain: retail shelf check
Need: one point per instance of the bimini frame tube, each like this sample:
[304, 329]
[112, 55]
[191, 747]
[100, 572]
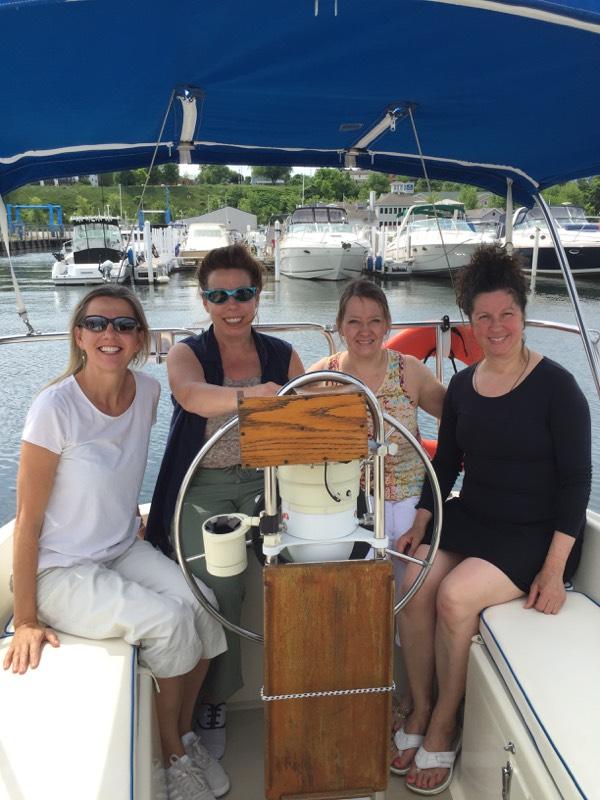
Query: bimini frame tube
[590, 351]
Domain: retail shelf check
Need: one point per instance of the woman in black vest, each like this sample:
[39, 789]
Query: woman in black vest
[206, 374]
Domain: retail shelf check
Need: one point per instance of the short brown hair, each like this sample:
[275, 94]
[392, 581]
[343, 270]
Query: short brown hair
[490, 269]
[234, 256]
[362, 287]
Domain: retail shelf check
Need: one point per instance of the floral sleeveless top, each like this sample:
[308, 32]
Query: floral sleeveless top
[404, 472]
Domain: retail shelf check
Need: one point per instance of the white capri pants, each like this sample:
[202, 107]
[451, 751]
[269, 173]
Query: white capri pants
[140, 596]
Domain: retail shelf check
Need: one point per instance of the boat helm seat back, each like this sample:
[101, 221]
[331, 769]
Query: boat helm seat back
[549, 664]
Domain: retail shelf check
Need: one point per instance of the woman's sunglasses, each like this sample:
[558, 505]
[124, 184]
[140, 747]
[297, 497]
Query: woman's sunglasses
[96, 323]
[242, 294]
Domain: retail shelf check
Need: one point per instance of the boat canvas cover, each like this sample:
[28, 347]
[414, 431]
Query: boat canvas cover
[496, 89]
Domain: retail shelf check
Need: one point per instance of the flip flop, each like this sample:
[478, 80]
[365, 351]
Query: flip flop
[435, 760]
[405, 741]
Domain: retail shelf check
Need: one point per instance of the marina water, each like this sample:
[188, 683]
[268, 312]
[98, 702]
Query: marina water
[24, 369]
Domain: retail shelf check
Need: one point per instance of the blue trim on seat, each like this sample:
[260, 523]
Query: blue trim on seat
[6, 634]
[132, 719]
[526, 697]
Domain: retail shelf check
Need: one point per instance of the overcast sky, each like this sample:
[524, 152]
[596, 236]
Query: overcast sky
[191, 170]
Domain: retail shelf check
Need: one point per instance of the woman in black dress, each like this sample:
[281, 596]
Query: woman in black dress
[520, 427]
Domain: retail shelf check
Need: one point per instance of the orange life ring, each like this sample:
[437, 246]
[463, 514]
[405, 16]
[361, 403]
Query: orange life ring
[420, 342]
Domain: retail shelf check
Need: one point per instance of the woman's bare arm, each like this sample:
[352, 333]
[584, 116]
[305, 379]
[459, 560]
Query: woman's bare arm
[37, 470]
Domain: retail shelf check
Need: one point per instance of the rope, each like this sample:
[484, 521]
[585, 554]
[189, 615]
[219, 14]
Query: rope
[152, 160]
[268, 698]
[426, 175]
[21, 308]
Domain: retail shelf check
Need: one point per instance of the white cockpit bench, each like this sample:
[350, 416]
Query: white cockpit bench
[533, 702]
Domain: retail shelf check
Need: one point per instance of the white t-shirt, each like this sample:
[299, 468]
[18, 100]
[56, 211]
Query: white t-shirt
[92, 510]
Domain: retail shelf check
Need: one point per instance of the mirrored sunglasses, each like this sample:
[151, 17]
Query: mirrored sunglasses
[242, 294]
[96, 323]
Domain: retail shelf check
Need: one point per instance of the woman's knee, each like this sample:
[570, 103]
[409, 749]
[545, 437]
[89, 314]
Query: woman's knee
[454, 604]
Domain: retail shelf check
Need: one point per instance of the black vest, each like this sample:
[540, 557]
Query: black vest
[186, 433]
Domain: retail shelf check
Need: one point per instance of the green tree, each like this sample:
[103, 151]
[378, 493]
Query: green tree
[330, 185]
[170, 174]
[468, 196]
[125, 178]
[106, 179]
[215, 174]
[377, 182]
[272, 174]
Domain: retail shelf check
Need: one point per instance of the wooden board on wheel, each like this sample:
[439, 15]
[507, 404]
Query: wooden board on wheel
[302, 429]
[328, 627]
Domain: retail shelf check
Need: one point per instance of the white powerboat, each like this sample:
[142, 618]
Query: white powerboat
[432, 238]
[351, 99]
[201, 237]
[94, 254]
[579, 237]
[318, 243]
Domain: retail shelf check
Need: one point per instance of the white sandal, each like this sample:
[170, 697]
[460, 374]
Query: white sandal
[405, 741]
[435, 760]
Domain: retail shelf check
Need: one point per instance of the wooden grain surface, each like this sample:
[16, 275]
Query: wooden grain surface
[327, 627]
[302, 429]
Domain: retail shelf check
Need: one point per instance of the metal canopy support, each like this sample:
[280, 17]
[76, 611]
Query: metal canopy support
[590, 351]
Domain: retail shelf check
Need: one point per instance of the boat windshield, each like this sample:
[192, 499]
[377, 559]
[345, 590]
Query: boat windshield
[96, 234]
[318, 214]
[430, 224]
[206, 233]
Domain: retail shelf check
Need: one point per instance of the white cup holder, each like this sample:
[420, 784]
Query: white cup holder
[225, 544]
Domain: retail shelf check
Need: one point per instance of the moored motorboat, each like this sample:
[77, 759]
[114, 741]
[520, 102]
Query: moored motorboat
[95, 254]
[318, 243]
[580, 239]
[432, 238]
[201, 237]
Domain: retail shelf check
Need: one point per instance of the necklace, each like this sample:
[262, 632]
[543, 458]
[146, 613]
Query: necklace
[519, 376]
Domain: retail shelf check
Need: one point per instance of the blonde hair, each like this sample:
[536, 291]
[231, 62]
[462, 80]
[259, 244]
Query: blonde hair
[116, 292]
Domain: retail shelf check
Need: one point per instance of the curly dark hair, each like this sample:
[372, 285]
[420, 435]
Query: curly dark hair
[362, 287]
[234, 256]
[490, 269]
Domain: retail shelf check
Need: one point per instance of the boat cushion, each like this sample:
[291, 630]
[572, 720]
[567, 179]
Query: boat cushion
[550, 666]
[66, 728]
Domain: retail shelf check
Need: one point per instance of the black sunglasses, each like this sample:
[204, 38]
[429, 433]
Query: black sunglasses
[96, 323]
[242, 294]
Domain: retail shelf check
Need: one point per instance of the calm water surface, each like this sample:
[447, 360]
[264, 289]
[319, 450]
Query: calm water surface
[24, 369]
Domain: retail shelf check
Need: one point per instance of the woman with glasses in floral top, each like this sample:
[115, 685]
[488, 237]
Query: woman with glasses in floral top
[206, 374]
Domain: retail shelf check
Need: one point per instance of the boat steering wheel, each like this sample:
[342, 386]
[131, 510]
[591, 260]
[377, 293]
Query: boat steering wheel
[322, 376]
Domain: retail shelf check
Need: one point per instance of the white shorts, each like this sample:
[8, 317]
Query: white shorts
[399, 516]
[141, 597]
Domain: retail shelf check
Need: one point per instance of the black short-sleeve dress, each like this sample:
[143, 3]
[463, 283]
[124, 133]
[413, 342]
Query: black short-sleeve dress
[527, 470]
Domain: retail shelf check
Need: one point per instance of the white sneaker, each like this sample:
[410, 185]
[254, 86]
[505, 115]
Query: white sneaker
[211, 721]
[185, 781]
[213, 772]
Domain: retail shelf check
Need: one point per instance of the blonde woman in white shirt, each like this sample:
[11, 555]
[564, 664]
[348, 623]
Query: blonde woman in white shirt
[79, 565]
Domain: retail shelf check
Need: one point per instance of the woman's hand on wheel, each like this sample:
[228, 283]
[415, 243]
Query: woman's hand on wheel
[547, 593]
[268, 389]
[25, 649]
[409, 541]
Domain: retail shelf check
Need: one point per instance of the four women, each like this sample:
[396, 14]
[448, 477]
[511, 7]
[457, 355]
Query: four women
[514, 530]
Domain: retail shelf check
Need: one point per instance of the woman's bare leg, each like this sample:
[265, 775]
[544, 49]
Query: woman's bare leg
[169, 699]
[469, 588]
[192, 683]
[417, 629]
